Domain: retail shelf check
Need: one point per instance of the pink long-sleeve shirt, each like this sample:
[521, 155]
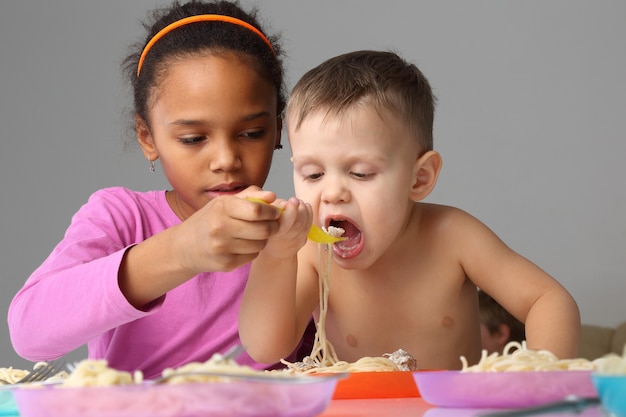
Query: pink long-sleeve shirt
[73, 298]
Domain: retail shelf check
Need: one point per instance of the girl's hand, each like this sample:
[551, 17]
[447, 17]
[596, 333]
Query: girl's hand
[228, 231]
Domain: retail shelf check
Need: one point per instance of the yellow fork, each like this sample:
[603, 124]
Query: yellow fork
[316, 233]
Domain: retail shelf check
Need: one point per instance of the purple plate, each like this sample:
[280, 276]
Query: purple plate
[501, 389]
[240, 396]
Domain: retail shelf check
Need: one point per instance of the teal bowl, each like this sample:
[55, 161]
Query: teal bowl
[612, 392]
[7, 404]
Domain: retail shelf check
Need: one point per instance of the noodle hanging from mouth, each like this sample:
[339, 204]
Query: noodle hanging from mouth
[323, 357]
[323, 353]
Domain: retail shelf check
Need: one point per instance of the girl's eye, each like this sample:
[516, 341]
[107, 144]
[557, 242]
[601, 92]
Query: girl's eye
[254, 134]
[191, 141]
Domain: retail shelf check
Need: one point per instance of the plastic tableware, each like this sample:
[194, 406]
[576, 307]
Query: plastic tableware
[7, 403]
[502, 389]
[388, 384]
[612, 392]
[236, 396]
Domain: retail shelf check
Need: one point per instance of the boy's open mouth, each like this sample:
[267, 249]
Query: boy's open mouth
[352, 245]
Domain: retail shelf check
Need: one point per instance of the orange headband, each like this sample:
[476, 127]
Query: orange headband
[198, 18]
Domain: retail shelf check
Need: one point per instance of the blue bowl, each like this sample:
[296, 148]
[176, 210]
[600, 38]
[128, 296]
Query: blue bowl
[7, 404]
[612, 391]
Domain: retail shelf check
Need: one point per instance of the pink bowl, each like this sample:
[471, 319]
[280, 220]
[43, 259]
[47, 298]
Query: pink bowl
[501, 389]
[299, 397]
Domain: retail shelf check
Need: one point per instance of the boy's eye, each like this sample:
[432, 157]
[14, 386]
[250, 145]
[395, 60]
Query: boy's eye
[315, 176]
[360, 175]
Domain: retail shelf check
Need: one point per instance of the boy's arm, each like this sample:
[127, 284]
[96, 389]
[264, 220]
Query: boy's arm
[272, 315]
[267, 316]
[554, 320]
[550, 313]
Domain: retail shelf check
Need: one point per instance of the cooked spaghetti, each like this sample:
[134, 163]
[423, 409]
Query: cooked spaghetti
[516, 357]
[12, 375]
[216, 364]
[323, 357]
[611, 364]
[97, 373]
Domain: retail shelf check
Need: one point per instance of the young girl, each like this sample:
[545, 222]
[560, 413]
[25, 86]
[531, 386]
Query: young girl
[154, 279]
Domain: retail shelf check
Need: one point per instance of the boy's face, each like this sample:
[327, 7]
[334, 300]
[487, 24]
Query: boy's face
[356, 170]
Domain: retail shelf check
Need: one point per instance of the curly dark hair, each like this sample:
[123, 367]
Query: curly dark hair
[200, 37]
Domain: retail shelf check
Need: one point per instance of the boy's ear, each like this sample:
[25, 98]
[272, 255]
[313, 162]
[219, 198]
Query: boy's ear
[427, 168]
[144, 137]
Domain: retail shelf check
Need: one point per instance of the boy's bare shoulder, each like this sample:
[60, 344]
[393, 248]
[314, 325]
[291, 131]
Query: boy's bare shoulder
[442, 216]
[448, 225]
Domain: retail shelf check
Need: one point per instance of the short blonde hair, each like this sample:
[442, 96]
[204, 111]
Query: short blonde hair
[380, 78]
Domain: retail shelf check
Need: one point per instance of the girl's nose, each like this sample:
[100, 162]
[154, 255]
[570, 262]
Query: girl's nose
[224, 156]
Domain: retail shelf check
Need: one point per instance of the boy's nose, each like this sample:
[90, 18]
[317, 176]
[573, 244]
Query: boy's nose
[334, 192]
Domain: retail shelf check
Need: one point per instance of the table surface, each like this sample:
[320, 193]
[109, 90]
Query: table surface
[417, 407]
[410, 407]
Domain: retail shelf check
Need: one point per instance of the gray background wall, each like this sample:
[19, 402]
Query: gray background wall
[530, 121]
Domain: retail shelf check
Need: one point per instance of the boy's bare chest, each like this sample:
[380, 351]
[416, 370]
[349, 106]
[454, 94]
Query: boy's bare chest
[434, 318]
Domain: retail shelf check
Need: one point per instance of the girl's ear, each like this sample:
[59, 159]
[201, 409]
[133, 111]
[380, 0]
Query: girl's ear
[427, 168]
[144, 137]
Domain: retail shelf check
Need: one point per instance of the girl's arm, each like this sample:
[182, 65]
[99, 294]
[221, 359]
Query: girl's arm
[74, 295]
[224, 234]
[121, 254]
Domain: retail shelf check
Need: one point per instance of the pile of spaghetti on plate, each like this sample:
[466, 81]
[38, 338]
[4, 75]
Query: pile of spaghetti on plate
[213, 388]
[518, 377]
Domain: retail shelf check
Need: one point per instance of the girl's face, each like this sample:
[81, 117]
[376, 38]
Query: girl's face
[356, 171]
[214, 127]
